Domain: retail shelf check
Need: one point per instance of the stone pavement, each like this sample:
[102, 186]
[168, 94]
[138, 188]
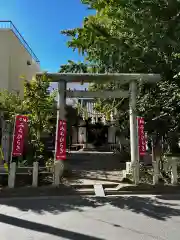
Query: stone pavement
[94, 177]
[95, 167]
[125, 217]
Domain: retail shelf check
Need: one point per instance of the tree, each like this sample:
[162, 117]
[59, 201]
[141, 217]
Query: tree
[40, 107]
[135, 36]
[128, 36]
[10, 105]
[71, 66]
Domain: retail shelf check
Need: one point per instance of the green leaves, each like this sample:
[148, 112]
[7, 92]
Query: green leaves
[134, 36]
[10, 104]
[74, 67]
[39, 103]
[40, 106]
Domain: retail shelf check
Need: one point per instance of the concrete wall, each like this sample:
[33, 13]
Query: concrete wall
[13, 62]
[4, 60]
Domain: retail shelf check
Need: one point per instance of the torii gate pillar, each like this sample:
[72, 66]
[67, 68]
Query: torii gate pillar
[133, 131]
[61, 104]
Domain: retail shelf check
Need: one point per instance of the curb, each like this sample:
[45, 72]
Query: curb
[82, 194]
[2, 199]
[87, 190]
[85, 196]
[142, 193]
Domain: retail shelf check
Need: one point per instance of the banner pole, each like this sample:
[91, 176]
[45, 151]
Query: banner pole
[13, 139]
[138, 153]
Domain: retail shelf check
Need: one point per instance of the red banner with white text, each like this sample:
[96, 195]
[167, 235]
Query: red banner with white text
[141, 136]
[61, 140]
[20, 131]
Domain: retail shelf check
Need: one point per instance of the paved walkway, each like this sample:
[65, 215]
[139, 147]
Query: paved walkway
[94, 177]
[82, 218]
[95, 167]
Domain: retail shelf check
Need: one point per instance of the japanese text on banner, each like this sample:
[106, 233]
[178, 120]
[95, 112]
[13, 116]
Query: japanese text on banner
[20, 130]
[61, 141]
[141, 136]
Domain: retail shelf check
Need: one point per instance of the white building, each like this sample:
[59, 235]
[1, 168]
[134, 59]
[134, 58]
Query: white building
[16, 59]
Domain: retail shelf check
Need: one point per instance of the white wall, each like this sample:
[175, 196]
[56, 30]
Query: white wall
[4, 60]
[13, 62]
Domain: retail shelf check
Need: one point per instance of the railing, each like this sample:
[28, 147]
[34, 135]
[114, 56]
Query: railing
[56, 172]
[10, 25]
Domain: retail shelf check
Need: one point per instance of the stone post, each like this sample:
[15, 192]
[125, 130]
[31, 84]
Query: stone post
[82, 134]
[174, 175]
[74, 135]
[111, 134]
[12, 175]
[35, 174]
[156, 171]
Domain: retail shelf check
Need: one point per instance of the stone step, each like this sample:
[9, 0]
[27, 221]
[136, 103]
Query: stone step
[86, 191]
[99, 190]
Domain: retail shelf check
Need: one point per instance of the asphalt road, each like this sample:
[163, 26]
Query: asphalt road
[81, 218]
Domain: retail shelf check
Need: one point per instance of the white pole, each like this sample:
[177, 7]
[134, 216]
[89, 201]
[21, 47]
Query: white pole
[88, 109]
[83, 115]
[96, 114]
[104, 119]
[174, 174]
[93, 113]
[133, 131]
[111, 117]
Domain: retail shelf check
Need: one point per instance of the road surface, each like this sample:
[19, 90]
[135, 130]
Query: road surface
[81, 218]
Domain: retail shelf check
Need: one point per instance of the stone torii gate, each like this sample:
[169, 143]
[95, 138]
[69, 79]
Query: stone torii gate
[119, 79]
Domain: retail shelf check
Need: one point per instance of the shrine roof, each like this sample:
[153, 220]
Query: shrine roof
[122, 78]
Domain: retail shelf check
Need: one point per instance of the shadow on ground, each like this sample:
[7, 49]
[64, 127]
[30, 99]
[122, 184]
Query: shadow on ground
[151, 207]
[156, 208]
[38, 227]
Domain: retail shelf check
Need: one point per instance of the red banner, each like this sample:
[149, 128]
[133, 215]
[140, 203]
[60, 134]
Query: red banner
[20, 130]
[61, 140]
[141, 136]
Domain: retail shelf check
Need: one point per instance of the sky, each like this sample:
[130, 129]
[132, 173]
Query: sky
[40, 23]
